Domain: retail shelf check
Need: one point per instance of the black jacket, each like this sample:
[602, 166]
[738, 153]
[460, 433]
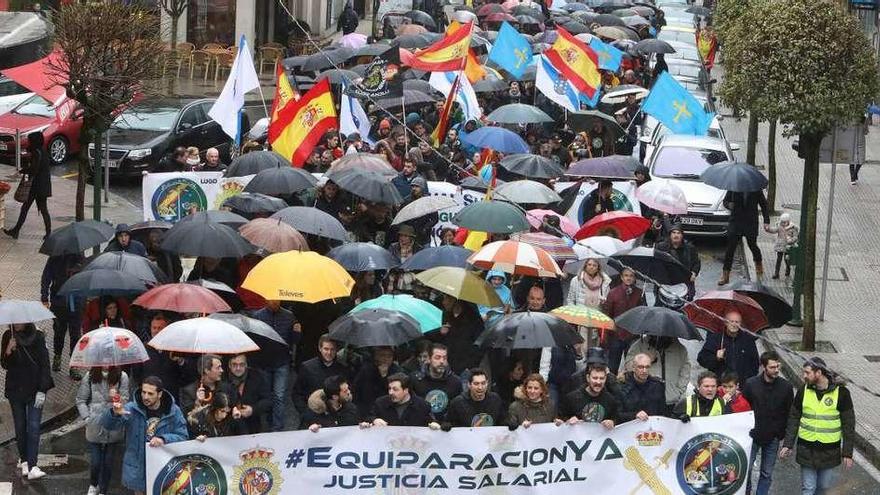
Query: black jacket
[744, 212]
[588, 408]
[311, 376]
[741, 355]
[39, 170]
[319, 412]
[416, 413]
[254, 392]
[57, 270]
[686, 254]
[439, 392]
[188, 395]
[594, 205]
[649, 397]
[463, 330]
[369, 385]
[173, 374]
[822, 455]
[466, 412]
[348, 20]
[27, 367]
[771, 403]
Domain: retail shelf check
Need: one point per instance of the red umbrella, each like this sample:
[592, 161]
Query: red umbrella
[623, 225]
[721, 302]
[182, 298]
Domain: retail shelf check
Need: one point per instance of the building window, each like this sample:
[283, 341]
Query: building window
[211, 21]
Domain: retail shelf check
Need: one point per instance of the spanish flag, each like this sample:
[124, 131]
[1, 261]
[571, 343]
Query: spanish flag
[442, 126]
[448, 54]
[284, 94]
[576, 61]
[472, 67]
[304, 122]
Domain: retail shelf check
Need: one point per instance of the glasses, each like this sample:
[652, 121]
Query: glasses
[642, 367]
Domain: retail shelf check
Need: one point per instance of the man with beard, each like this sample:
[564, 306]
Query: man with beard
[592, 403]
[435, 382]
[371, 381]
[400, 407]
[373, 225]
[251, 395]
[331, 405]
[476, 406]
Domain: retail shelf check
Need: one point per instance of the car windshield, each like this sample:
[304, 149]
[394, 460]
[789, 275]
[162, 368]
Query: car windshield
[147, 119]
[687, 70]
[670, 35]
[685, 163]
[36, 105]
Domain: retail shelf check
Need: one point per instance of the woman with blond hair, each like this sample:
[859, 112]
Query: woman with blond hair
[589, 288]
[532, 404]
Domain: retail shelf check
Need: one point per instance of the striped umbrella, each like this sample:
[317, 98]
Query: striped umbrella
[557, 247]
[516, 258]
[584, 316]
[536, 217]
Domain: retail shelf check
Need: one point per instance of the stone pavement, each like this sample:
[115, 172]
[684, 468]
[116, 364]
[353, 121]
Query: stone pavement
[853, 286]
[21, 267]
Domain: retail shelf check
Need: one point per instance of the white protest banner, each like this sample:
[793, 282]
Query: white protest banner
[660, 456]
[174, 195]
[462, 197]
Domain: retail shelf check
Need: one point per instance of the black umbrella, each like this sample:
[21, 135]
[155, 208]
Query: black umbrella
[423, 18]
[777, 309]
[327, 59]
[363, 257]
[476, 183]
[202, 237]
[659, 321]
[411, 41]
[76, 237]
[216, 216]
[132, 264]
[375, 328]
[604, 167]
[255, 161]
[411, 97]
[339, 76]
[529, 11]
[433, 257]
[150, 225]
[371, 186]
[272, 345]
[734, 176]
[575, 27]
[528, 330]
[312, 221]
[281, 180]
[527, 20]
[489, 85]
[652, 45]
[518, 113]
[575, 7]
[658, 265]
[102, 282]
[609, 20]
[532, 166]
[372, 50]
[699, 10]
[251, 203]
[419, 85]
[583, 120]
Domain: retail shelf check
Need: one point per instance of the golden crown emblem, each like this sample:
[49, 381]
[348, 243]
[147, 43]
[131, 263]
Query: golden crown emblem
[649, 438]
[256, 453]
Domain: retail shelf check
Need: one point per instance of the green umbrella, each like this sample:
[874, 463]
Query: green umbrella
[429, 316]
[494, 217]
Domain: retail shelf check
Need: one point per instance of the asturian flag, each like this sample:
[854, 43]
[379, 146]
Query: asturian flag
[242, 78]
[466, 97]
[352, 117]
[558, 89]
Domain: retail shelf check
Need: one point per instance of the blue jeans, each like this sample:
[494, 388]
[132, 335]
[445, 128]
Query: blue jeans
[101, 468]
[768, 461]
[278, 378]
[26, 419]
[816, 481]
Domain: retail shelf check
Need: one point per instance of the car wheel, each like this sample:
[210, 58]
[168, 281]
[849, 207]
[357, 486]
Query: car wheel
[58, 149]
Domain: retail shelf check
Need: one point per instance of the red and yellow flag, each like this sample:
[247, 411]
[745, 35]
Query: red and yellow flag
[304, 122]
[284, 94]
[442, 127]
[448, 54]
[576, 61]
[472, 67]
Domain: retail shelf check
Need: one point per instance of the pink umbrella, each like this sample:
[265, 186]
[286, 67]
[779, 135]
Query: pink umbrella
[353, 40]
[536, 216]
[663, 195]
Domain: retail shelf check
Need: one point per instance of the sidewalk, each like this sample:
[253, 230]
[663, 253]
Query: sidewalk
[21, 267]
[853, 346]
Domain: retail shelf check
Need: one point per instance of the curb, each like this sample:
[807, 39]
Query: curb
[864, 441]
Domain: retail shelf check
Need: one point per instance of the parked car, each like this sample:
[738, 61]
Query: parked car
[683, 51]
[658, 131]
[11, 94]
[59, 123]
[677, 32]
[144, 133]
[681, 159]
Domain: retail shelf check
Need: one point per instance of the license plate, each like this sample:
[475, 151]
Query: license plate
[3, 147]
[112, 163]
[691, 220]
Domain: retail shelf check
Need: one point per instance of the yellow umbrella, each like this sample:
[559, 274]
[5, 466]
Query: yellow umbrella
[460, 284]
[301, 276]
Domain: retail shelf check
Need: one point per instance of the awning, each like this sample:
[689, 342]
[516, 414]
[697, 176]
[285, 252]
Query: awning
[24, 37]
[35, 76]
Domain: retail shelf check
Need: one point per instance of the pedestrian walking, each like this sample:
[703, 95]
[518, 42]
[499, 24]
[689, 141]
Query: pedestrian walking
[476, 406]
[28, 379]
[95, 396]
[822, 425]
[786, 238]
[669, 362]
[743, 222]
[67, 323]
[592, 403]
[620, 300]
[124, 242]
[152, 418]
[770, 396]
[41, 186]
[436, 383]
[283, 321]
[685, 253]
[251, 397]
[200, 393]
[315, 371]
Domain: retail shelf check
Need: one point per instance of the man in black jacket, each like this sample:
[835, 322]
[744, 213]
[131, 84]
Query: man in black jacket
[313, 372]
[770, 396]
[435, 382]
[743, 222]
[477, 406]
[400, 407]
[331, 406]
[684, 252]
[57, 270]
[200, 393]
[461, 326]
[371, 381]
[731, 350]
[642, 395]
[251, 395]
[593, 403]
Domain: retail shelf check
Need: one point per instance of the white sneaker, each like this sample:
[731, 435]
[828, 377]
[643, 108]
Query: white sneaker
[24, 468]
[36, 473]
[93, 490]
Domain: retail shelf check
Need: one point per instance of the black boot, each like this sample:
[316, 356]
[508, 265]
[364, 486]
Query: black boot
[11, 233]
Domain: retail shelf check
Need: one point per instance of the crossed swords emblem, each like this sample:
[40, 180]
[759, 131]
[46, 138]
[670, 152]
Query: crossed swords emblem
[634, 461]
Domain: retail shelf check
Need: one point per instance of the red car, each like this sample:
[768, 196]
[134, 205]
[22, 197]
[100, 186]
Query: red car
[59, 125]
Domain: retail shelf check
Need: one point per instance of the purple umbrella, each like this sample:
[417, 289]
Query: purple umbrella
[605, 167]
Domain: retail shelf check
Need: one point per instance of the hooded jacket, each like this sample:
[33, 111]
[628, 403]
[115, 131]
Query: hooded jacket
[320, 412]
[503, 293]
[27, 367]
[92, 399]
[523, 409]
[170, 426]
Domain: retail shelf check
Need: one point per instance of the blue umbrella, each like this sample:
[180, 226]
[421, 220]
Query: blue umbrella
[498, 139]
[437, 256]
[363, 257]
[429, 316]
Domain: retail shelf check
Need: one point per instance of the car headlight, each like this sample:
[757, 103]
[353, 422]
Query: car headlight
[140, 154]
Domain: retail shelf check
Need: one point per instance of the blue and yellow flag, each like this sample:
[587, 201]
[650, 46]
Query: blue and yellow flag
[671, 104]
[512, 52]
[609, 56]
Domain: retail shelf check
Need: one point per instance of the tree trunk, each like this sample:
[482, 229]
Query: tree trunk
[81, 186]
[174, 21]
[810, 143]
[753, 139]
[771, 166]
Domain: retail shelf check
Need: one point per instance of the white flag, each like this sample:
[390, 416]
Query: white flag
[555, 87]
[352, 117]
[242, 78]
[466, 97]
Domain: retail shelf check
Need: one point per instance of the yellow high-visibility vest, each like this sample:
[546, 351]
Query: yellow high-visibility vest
[820, 419]
[693, 409]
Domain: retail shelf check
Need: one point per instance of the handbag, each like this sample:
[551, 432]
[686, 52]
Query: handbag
[23, 191]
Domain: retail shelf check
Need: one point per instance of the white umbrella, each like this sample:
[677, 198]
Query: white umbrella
[526, 192]
[599, 246]
[423, 206]
[18, 311]
[663, 195]
[108, 346]
[202, 336]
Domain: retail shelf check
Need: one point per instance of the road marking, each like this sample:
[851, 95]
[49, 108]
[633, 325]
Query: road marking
[68, 176]
[6, 488]
[867, 466]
